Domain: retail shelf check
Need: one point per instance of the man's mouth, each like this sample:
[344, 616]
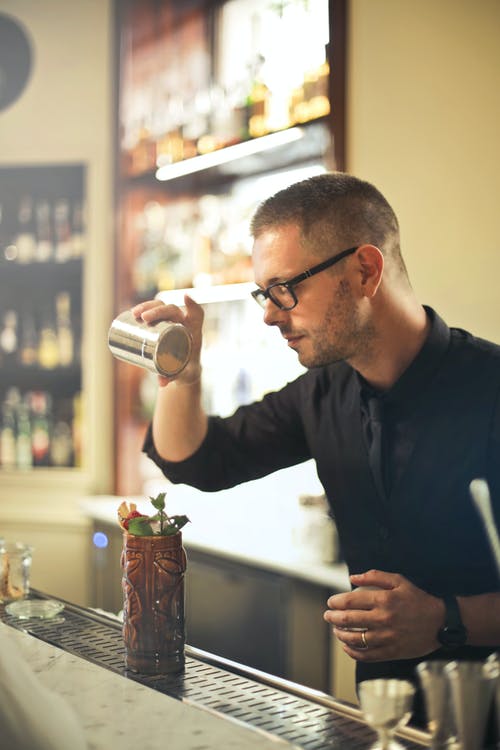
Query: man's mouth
[292, 338]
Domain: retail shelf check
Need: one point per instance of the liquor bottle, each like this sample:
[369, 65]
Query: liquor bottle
[77, 429]
[45, 234]
[144, 153]
[8, 455]
[28, 349]
[62, 227]
[8, 248]
[40, 427]
[48, 346]
[77, 228]
[61, 444]
[9, 339]
[228, 121]
[258, 105]
[64, 330]
[23, 438]
[25, 239]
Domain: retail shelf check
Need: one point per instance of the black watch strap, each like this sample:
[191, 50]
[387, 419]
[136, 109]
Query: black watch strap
[453, 634]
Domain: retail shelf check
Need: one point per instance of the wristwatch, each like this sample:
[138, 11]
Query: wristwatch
[453, 634]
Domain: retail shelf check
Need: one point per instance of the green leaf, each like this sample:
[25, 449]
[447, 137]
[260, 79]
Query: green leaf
[140, 527]
[179, 521]
[169, 530]
[159, 501]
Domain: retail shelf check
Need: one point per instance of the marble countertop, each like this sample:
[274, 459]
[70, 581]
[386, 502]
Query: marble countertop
[258, 523]
[107, 709]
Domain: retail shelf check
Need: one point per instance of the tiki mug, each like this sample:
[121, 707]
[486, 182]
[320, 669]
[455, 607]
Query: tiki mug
[153, 570]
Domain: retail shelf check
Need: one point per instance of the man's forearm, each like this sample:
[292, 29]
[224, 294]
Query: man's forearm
[481, 617]
[179, 421]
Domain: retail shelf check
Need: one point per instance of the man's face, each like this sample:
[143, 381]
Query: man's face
[325, 325]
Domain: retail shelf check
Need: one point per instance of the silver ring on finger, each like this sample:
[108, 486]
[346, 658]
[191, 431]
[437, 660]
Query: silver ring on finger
[364, 644]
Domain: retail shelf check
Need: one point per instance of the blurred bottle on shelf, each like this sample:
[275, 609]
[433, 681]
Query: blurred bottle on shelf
[224, 125]
[63, 250]
[24, 455]
[39, 431]
[61, 443]
[9, 338]
[144, 152]
[77, 429]
[48, 345]
[257, 102]
[28, 349]
[44, 233]
[65, 337]
[8, 453]
[25, 239]
[77, 228]
[310, 100]
[40, 403]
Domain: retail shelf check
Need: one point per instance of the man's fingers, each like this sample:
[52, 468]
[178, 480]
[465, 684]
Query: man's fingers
[377, 579]
[194, 311]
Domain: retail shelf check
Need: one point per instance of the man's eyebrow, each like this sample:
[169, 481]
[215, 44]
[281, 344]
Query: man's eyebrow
[278, 280]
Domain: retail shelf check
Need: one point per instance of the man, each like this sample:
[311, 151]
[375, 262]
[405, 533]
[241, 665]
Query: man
[399, 412]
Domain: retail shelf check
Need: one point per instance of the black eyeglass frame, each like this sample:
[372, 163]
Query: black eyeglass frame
[261, 295]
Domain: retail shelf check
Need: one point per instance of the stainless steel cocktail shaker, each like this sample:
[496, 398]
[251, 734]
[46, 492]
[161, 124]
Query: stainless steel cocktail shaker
[163, 348]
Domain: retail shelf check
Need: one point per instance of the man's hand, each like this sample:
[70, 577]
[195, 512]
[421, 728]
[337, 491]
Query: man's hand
[392, 620]
[192, 318]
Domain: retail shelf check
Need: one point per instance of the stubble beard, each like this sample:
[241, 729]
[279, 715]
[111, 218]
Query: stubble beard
[342, 336]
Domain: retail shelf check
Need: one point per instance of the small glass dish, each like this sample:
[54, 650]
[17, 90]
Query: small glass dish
[29, 609]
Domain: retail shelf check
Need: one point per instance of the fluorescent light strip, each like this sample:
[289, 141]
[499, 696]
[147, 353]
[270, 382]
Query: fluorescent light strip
[225, 155]
[205, 294]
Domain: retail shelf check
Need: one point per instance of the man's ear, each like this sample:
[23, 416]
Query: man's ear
[370, 266]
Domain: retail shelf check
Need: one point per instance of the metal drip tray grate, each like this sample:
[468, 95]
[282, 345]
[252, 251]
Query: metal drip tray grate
[261, 701]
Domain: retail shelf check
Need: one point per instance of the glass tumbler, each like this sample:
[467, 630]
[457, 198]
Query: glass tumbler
[15, 570]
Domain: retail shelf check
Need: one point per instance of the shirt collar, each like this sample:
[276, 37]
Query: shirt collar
[421, 369]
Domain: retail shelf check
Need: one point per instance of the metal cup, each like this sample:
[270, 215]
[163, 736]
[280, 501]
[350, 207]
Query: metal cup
[472, 687]
[163, 347]
[437, 697]
[493, 666]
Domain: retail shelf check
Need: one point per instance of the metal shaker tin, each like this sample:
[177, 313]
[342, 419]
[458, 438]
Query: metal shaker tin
[163, 348]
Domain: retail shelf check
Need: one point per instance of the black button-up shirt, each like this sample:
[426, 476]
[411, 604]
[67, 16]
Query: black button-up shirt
[392, 412]
[442, 429]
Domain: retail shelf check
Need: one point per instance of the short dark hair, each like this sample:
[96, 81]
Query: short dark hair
[333, 211]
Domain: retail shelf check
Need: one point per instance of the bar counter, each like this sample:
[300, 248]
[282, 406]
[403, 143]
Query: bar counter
[214, 703]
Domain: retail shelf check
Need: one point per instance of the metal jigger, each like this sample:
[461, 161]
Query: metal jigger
[437, 697]
[472, 685]
[386, 705]
[493, 664]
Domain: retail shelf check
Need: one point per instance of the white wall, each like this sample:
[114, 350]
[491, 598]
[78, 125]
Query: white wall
[65, 115]
[424, 126]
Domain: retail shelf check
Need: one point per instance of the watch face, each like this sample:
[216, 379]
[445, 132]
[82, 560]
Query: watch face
[16, 59]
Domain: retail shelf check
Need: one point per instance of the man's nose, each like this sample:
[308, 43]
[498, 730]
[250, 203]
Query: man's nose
[272, 313]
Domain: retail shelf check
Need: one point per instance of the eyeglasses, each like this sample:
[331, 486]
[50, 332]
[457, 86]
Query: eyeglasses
[282, 293]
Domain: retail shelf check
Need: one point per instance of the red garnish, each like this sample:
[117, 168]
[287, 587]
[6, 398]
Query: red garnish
[133, 514]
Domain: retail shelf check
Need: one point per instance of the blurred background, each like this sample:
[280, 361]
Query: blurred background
[136, 139]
